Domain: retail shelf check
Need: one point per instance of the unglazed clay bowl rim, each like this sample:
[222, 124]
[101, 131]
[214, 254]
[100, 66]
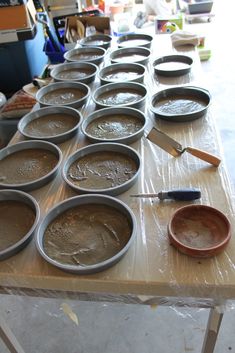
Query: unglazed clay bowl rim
[194, 251]
[64, 84]
[37, 114]
[82, 200]
[75, 65]
[103, 147]
[16, 195]
[31, 144]
[115, 111]
[120, 85]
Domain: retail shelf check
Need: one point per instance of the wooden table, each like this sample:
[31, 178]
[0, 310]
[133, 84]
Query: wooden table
[152, 272]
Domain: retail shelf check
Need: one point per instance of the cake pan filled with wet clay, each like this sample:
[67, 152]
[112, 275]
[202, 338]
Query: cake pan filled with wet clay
[54, 124]
[75, 72]
[19, 216]
[122, 125]
[28, 165]
[173, 65]
[137, 55]
[122, 73]
[86, 234]
[135, 40]
[96, 40]
[70, 94]
[122, 94]
[199, 230]
[94, 55]
[180, 104]
[104, 168]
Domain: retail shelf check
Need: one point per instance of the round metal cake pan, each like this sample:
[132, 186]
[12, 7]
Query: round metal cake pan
[174, 59]
[37, 183]
[79, 67]
[86, 200]
[120, 55]
[135, 39]
[60, 85]
[109, 112]
[40, 113]
[113, 69]
[103, 147]
[98, 40]
[97, 55]
[196, 93]
[20, 196]
[120, 86]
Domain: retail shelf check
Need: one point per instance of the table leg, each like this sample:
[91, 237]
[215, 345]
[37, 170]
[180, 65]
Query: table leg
[9, 339]
[212, 330]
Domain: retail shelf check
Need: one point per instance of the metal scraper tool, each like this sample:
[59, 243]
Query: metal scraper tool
[175, 148]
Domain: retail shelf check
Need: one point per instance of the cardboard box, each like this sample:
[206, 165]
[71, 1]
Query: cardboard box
[76, 26]
[14, 17]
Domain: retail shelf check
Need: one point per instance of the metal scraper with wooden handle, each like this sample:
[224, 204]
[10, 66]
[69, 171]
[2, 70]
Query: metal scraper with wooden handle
[175, 148]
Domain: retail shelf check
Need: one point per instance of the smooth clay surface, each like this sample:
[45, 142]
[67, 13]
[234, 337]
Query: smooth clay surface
[16, 219]
[134, 43]
[73, 74]
[179, 105]
[121, 75]
[114, 126]
[62, 96]
[121, 96]
[129, 58]
[26, 165]
[50, 125]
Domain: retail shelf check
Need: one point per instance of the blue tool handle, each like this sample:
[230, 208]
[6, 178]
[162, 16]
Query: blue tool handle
[180, 195]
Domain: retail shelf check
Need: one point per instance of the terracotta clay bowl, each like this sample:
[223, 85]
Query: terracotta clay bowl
[199, 230]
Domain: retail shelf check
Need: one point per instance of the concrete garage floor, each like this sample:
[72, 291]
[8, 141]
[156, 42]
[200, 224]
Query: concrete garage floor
[41, 326]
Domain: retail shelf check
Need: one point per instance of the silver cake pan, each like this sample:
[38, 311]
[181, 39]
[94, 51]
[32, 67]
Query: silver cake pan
[86, 200]
[97, 40]
[37, 183]
[90, 68]
[139, 55]
[40, 113]
[135, 40]
[187, 62]
[184, 92]
[107, 113]
[121, 87]
[60, 85]
[103, 147]
[115, 69]
[16, 195]
[95, 55]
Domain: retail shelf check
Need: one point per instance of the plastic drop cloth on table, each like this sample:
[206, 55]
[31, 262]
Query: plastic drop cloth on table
[152, 271]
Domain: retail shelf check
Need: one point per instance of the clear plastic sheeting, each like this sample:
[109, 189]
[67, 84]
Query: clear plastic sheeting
[152, 271]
